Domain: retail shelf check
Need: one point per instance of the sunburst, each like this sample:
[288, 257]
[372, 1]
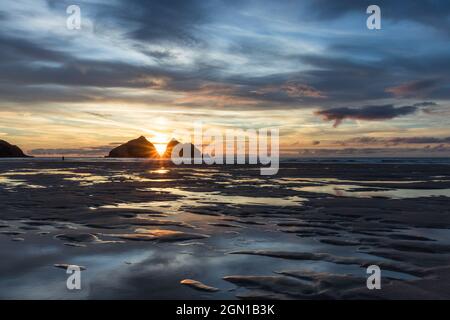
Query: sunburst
[160, 148]
[160, 141]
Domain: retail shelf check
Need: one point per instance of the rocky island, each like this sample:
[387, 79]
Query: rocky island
[194, 151]
[8, 150]
[137, 148]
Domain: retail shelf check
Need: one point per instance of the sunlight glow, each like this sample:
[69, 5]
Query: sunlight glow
[160, 141]
[160, 147]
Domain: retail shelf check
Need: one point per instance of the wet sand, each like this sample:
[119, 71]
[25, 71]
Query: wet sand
[152, 230]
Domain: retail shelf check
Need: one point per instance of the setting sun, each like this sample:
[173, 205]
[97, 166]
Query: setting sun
[160, 147]
[160, 141]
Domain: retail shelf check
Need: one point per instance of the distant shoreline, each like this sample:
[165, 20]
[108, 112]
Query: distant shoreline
[319, 160]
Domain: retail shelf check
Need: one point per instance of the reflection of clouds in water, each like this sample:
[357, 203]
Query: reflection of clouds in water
[156, 275]
[341, 188]
[84, 178]
[197, 199]
[352, 191]
[330, 180]
[9, 183]
[153, 270]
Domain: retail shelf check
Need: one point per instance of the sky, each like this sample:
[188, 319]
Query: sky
[310, 68]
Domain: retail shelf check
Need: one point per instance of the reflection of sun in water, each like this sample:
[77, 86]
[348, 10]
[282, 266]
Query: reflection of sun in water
[159, 171]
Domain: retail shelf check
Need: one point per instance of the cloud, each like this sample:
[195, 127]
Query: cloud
[367, 113]
[184, 57]
[292, 89]
[440, 150]
[162, 20]
[299, 90]
[396, 140]
[22, 50]
[414, 88]
[431, 13]
[99, 115]
[417, 140]
[213, 57]
[89, 151]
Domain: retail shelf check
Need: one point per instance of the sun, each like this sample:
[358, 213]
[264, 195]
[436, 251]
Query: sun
[160, 141]
[160, 148]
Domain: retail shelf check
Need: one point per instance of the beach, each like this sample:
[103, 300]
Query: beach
[153, 230]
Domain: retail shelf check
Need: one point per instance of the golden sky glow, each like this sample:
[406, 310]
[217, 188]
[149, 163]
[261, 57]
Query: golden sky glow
[330, 85]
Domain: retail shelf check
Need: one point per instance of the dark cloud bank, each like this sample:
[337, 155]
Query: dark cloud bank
[369, 113]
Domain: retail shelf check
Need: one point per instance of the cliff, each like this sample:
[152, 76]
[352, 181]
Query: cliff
[8, 150]
[137, 148]
[195, 152]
